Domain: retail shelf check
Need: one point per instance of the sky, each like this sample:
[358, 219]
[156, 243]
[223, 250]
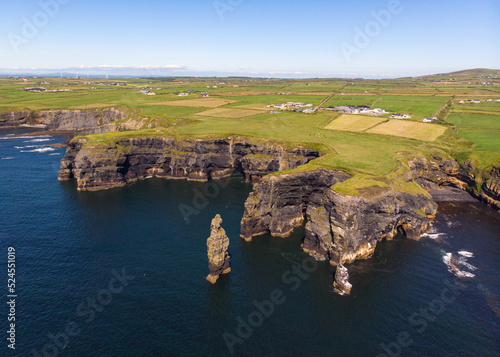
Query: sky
[271, 38]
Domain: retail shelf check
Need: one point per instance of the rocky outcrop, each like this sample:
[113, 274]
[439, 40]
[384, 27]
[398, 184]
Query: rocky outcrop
[341, 283]
[14, 118]
[217, 244]
[77, 119]
[482, 184]
[345, 228]
[278, 203]
[338, 227]
[106, 165]
[88, 121]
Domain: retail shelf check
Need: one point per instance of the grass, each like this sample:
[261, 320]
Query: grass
[484, 140]
[354, 123]
[409, 129]
[200, 102]
[347, 142]
[229, 113]
[468, 120]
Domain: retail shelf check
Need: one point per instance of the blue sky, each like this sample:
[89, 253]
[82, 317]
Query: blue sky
[251, 37]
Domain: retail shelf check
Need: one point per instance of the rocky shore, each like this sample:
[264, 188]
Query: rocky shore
[340, 228]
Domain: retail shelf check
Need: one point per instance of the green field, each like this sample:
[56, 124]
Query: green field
[484, 140]
[369, 147]
[469, 120]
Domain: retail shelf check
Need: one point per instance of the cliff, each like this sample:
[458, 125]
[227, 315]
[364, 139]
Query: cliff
[84, 121]
[484, 184]
[339, 227]
[99, 166]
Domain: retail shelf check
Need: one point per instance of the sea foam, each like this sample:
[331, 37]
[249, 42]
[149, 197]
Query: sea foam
[39, 150]
[456, 264]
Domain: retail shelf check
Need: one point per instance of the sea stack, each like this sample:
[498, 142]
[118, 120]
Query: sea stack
[217, 244]
[341, 283]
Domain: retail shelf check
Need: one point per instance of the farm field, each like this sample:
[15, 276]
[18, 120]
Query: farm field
[354, 123]
[201, 102]
[230, 113]
[469, 120]
[238, 106]
[484, 140]
[409, 129]
[416, 105]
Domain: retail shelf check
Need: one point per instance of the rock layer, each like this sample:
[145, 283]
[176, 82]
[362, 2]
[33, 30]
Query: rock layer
[339, 228]
[217, 244]
[102, 166]
[482, 184]
[278, 203]
[85, 121]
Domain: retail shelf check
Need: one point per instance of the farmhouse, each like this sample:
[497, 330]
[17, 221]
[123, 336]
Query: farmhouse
[290, 105]
[400, 116]
[362, 109]
[429, 120]
[182, 94]
[36, 89]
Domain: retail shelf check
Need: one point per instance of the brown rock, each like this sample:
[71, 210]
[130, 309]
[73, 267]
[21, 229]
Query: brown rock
[217, 244]
[341, 283]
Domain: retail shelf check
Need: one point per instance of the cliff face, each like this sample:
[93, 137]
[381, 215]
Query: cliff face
[104, 166]
[90, 120]
[278, 203]
[339, 228]
[482, 184]
[14, 118]
[345, 228]
[76, 119]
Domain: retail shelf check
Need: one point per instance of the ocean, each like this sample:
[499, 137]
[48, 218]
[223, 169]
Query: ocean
[122, 273]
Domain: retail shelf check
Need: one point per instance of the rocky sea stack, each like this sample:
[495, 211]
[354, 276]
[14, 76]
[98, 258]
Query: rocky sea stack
[217, 244]
[341, 283]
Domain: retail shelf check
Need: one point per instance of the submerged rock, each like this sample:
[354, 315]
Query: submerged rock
[217, 244]
[341, 283]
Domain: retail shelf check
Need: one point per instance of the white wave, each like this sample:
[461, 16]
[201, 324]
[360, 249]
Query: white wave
[469, 266]
[433, 235]
[466, 254]
[56, 153]
[10, 134]
[39, 150]
[7, 158]
[27, 146]
[36, 140]
[464, 274]
[26, 137]
[454, 265]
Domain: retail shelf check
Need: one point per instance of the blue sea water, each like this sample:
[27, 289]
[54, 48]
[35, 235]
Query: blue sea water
[70, 247]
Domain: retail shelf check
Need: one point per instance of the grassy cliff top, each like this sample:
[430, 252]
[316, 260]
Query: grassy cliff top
[371, 148]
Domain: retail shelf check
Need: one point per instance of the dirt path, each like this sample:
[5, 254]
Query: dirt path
[375, 102]
[328, 98]
[442, 108]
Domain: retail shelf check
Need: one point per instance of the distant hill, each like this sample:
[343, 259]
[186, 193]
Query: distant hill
[466, 74]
